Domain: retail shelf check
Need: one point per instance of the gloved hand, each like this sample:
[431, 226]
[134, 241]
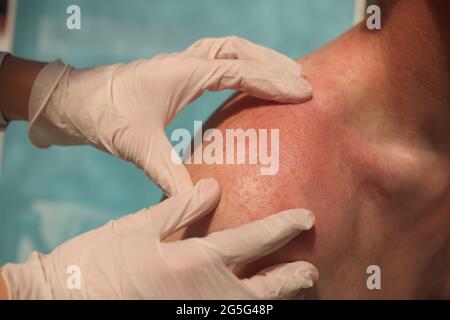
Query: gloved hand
[124, 108]
[125, 259]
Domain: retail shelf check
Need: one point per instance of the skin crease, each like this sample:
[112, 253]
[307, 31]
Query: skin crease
[373, 169]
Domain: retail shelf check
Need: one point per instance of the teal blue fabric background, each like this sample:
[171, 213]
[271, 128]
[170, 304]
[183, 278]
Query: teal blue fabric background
[48, 196]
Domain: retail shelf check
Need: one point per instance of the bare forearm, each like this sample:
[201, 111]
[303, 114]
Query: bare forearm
[16, 80]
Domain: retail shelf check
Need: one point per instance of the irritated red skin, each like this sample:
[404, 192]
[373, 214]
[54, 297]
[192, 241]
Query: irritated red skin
[318, 169]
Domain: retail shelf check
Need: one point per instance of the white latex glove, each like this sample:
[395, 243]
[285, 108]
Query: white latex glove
[124, 108]
[125, 259]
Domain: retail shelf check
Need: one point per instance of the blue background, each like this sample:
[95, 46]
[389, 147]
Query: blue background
[50, 195]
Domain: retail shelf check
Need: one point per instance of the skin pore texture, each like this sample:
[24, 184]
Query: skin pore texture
[369, 154]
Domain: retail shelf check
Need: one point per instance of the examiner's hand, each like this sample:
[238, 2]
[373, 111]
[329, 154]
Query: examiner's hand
[124, 108]
[125, 259]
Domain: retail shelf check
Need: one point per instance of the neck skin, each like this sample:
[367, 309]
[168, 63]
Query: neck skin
[405, 91]
[405, 71]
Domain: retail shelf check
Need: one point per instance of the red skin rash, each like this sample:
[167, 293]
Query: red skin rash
[318, 165]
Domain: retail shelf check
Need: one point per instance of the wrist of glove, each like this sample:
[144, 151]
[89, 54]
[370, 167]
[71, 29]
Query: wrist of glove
[66, 103]
[126, 259]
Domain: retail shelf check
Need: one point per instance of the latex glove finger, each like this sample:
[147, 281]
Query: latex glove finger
[259, 238]
[249, 77]
[283, 281]
[233, 47]
[155, 156]
[177, 212]
[166, 169]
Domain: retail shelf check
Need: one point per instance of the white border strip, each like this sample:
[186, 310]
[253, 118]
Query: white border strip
[6, 44]
[359, 11]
